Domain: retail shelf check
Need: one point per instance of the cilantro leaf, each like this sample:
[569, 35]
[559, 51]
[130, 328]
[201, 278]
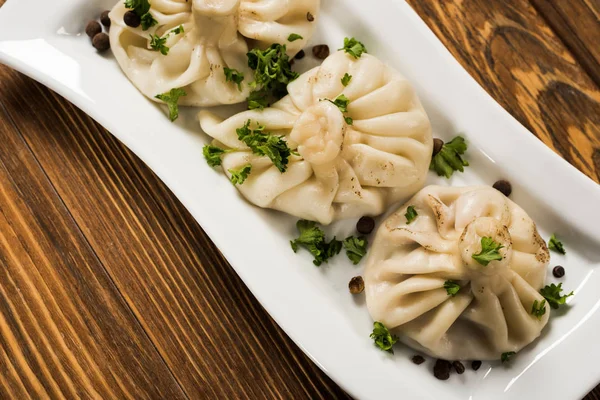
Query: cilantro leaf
[452, 288]
[349, 120]
[552, 294]
[293, 37]
[356, 248]
[264, 144]
[148, 21]
[235, 76]
[556, 245]
[411, 214]
[239, 176]
[538, 308]
[159, 44]
[353, 47]
[171, 98]
[346, 79]
[142, 9]
[213, 154]
[272, 71]
[489, 251]
[178, 30]
[341, 102]
[505, 357]
[312, 238]
[258, 100]
[449, 158]
[383, 338]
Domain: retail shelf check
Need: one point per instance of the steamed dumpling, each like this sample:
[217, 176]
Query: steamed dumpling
[408, 265]
[343, 168]
[211, 41]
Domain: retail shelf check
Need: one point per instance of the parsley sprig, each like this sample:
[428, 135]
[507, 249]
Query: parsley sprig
[354, 47]
[383, 338]
[356, 248]
[142, 9]
[452, 288]
[235, 76]
[213, 154]
[312, 238]
[552, 294]
[239, 176]
[538, 308]
[489, 251]
[160, 43]
[556, 245]
[171, 98]
[342, 102]
[449, 159]
[272, 74]
[346, 79]
[264, 144]
[411, 214]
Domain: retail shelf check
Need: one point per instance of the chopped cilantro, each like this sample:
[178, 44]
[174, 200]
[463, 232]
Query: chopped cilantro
[341, 102]
[556, 245]
[258, 100]
[239, 176]
[171, 98]
[505, 357]
[452, 288]
[142, 9]
[346, 79]
[449, 158]
[272, 72]
[552, 294]
[312, 238]
[383, 338]
[349, 120]
[354, 47]
[148, 21]
[235, 76]
[411, 214]
[178, 30]
[159, 44]
[538, 308]
[213, 154]
[489, 251]
[356, 248]
[264, 144]
[293, 37]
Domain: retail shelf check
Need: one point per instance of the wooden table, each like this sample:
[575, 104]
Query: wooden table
[109, 288]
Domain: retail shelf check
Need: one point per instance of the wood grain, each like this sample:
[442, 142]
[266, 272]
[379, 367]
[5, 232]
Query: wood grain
[94, 247]
[511, 51]
[211, 331]
[65, 330]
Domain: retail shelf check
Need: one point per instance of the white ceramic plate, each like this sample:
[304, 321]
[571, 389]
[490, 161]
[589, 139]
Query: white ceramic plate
[313, 304]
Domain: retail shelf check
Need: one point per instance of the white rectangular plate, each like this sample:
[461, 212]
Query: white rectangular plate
[313, 304]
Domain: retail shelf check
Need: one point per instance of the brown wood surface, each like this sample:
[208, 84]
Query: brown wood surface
[108, 287]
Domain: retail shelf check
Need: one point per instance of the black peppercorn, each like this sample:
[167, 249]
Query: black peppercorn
[321, 51]
[437, 145]
[132, 19]
[300, 55]
[441, 370]
[356, 285]
[503, 187]
[93, 28]
[105, 19]
[418, 359]
[310, 17]
[365, 225]
[101, 42]
[476, 365]
[558, 271]
[458, 367]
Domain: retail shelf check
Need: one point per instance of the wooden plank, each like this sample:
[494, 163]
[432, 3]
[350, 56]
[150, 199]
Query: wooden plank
[510, 50]
[65, 331]
[577, 23]
[211, 331]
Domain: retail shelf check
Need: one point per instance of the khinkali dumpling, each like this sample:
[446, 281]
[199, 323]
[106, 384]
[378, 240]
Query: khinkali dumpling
[210, 41]
[409, 263]
[344, 168]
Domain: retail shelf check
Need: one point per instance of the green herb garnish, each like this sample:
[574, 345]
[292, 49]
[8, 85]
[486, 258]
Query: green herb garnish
[341, 102]
[356, 248]
[489, 251]
[449, 158]
[312, 238]
[213, 154]
[178, 30]
[383, 338]
[552, 294]
[171, 98]
[346, 79]
[239, 176]
[556, 245]
[142, 9]
[538, 308]
[349, 120]
[235, 76]
[264, 144]
[353, 47]
[505, 357]
[452, 288]
[411, 214]
[293, 37]
[159, 44]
